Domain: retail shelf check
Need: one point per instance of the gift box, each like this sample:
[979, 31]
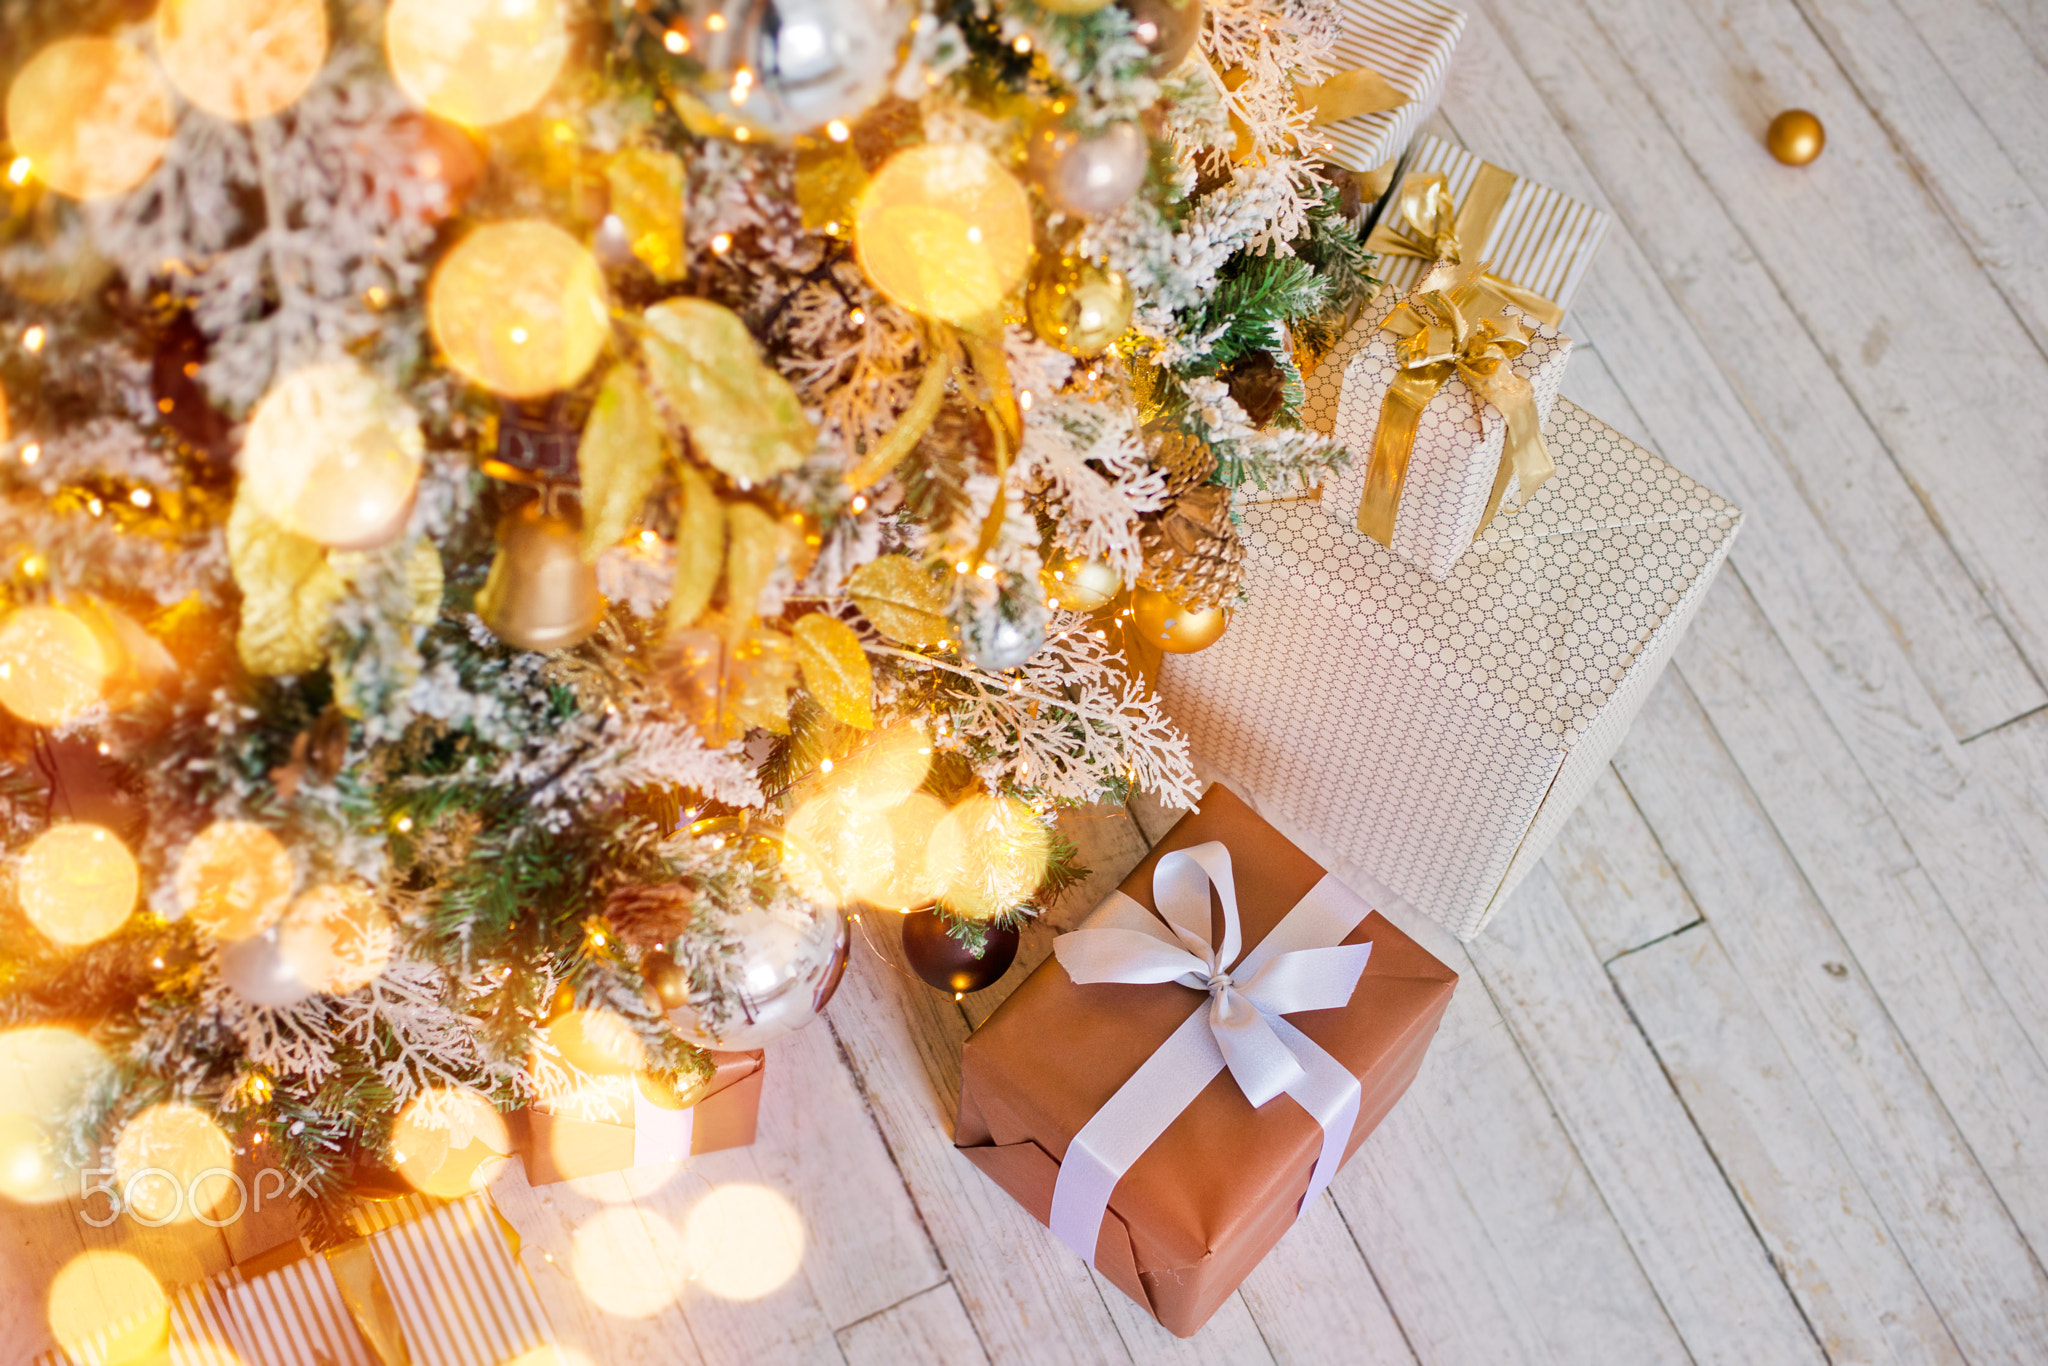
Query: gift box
[1168, 1107]
[430, 1284]
[1536, 243]
[1407, 44]
[619, 1123]
[1441, 398]
[1427, 738]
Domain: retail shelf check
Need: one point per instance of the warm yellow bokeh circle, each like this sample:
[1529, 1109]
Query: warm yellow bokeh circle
[52, 666]
[520, 308]
[44, 1070]
[173, 1164]
[476, 62]
[945, 231]
[106, 1306]
[336, 939]
[449, 1143]
[91, 115]
[747, 1241]
[241, 59]
[234, 879]
[77, 883]
[334, 455]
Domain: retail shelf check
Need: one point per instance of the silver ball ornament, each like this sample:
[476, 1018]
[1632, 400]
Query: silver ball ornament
[995, 641]
[1167, 28]
[259, 974]
[1094, 175]
[788, 66]
[789, 958]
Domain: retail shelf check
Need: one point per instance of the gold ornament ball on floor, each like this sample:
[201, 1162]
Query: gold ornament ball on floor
[234, 879]
[541, 593]
[1078, 306]
[334, 456]
[945, 231]
[52, 666]
[1073, 584]
[241, 59]
[1796, 137]
[1173, 628]
[91, 116]
[519, 307]
[476, 62]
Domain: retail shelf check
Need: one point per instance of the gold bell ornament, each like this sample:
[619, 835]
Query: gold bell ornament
[541, 593]
[1078, 306]
[1076, 584]
[1172, 627]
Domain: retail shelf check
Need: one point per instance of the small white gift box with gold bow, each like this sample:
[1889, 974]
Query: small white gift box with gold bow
[1390, 59]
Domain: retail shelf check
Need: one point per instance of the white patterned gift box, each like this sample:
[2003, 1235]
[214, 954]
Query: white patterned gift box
[1527, 234]
[1458, 440]
[1409, 43]
[1424, 740]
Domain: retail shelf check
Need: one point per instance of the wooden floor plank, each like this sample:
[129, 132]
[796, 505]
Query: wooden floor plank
[930, 1327]
[1824, 1229]
[1658, 1178]
[1477, 1216]
[1316, 1302]
[1622, 891]
[1732, 389]
[1866, 1084]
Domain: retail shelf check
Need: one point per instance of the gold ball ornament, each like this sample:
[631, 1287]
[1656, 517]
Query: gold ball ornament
[91, 115]
[1074, 584]
[541, 593]
[53, 666]
[476, 62]
[77, 883]
[234, 879]
[1074, 6]
[519, 307]
[1078, 306]
[334, 456]
[945, 231]
[1174, 629]
[241, 59]
[1796, 137]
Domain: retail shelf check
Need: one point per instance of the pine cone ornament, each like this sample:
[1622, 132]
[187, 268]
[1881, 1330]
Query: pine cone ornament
[646, 917]
[1259, 386]
[1192, 550]
[1188, 462]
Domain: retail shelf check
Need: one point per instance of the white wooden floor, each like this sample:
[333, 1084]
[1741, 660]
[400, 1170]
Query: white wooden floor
[1753, 1070]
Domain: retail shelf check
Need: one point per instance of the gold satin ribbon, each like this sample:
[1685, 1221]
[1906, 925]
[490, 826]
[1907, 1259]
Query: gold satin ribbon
[369, 1303]
[1454, 323]
[1424, 223]
[1345, 95]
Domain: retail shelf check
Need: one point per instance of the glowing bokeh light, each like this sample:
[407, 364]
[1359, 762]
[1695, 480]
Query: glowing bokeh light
[476, 62]
[747, 1241]
[336, 939]
[234, 879]
[334, 456]
[91, 116]
[107, 1307]
[44, 1070]
[241, 59]
[173, 1164]
[631, 1262]
[945, 231]
[988, 855]
[551, 1356]
[519, 307]
[52, 666]
[77, 883]
[872, 854]
[599, 1042]
[449, 1143]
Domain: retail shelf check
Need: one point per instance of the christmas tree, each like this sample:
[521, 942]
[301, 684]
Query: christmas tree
[516, 515]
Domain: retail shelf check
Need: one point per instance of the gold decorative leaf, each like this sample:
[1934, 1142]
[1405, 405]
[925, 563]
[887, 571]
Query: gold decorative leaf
[743, 418]
[700, 549]
[620, 457]
[904, 602]
[648, 188]
[829, 179]
[288, 593]
[835, 669]
[753, 539]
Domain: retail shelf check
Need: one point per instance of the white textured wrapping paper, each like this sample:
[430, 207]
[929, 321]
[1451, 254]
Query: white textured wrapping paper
[1410, 43]
[1429, 737]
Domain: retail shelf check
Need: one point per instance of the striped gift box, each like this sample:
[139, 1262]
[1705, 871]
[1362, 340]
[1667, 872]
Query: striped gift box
[1540, 240]
[1410, 43]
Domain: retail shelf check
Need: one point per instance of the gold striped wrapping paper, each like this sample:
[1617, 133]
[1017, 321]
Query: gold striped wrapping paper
[1541, 240]
[1410, 43]
[460, 1299]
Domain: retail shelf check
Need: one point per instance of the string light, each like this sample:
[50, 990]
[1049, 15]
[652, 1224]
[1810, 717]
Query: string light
[676, 41]
[721, 244]
[34, 338]
[838, 131]
[18, 169]
[31, 453]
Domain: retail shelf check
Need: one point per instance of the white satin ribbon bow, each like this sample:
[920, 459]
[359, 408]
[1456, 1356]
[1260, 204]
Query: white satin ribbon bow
[659, 1135]
[1301, 965]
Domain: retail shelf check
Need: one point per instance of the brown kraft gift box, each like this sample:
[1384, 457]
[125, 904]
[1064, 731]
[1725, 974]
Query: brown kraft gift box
[1209, 1199]
[560, 1148]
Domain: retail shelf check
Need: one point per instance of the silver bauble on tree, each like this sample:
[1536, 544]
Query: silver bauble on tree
[1093, 174]
[259, 973]
[789, 66]
[1003, 635]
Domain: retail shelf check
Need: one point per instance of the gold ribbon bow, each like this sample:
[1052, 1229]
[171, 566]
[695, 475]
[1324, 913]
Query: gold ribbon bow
[1425, 223]
[1452, 324]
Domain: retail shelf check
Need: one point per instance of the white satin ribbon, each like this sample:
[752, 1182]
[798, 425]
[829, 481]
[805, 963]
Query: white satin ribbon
[1301, 965]
[659, 1135]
